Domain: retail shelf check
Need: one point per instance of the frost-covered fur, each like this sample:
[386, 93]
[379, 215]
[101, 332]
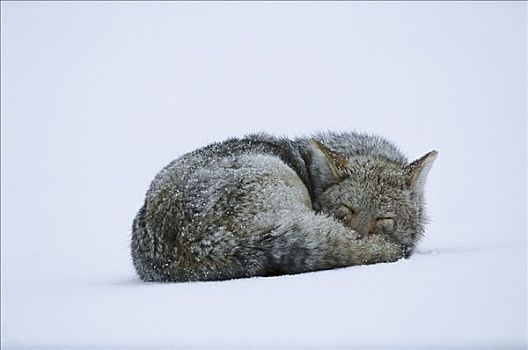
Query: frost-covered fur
[262, 205]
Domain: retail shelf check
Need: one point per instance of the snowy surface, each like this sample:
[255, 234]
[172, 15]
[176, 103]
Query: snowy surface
[97, 97]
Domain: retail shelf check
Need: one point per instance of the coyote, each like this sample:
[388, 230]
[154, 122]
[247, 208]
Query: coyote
[265, 206]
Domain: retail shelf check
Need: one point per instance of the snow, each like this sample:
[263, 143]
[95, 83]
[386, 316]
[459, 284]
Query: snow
[98, 97]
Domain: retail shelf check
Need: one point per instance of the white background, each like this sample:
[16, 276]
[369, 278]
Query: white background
[97, 97]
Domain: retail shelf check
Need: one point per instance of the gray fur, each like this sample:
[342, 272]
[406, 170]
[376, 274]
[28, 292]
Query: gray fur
[263, 205]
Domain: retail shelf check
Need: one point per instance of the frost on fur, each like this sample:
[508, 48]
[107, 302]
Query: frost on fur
[263, 205]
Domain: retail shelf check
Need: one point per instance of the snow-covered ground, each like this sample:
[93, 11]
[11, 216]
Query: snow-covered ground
[97, 97]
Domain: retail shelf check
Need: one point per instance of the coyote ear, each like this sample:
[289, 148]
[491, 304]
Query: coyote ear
[418, 171]
[336, 163]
